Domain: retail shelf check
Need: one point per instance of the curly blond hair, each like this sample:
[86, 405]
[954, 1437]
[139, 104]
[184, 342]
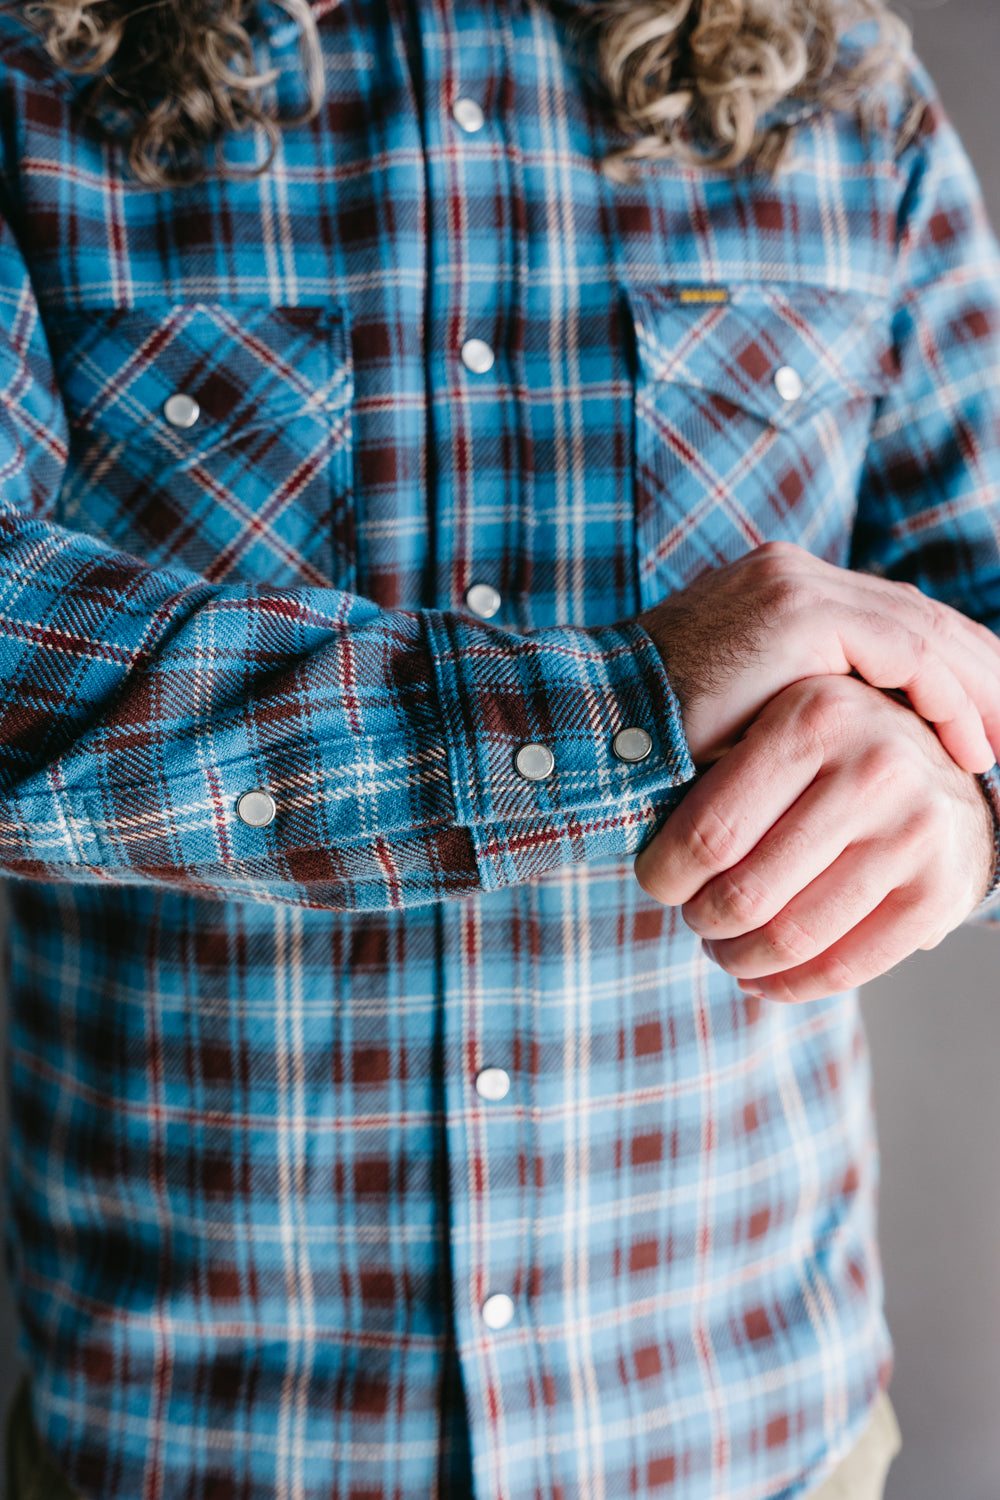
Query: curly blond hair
[700, 80]
[695, 79]
[182, 73]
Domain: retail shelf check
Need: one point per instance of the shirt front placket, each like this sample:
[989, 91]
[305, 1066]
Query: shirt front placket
[474, 496]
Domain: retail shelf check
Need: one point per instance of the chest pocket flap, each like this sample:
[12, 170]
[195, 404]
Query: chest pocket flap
[752, 410]
[213, 435]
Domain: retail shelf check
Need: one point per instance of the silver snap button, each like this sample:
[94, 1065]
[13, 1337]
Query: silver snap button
[468, 115]
[483, 600]
[534, 762]
[477, 356]
[256, 809]
[788, 383]
[181, 410]
[632, 745]
[493, 1083]
[498, 1310]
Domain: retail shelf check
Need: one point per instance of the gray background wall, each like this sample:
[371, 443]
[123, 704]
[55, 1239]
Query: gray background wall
[934, 1028]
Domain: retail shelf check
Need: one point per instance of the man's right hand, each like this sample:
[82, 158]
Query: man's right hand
[741, 633]
[834, 840]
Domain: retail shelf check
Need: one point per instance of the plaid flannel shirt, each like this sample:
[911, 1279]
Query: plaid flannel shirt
[402, 1147]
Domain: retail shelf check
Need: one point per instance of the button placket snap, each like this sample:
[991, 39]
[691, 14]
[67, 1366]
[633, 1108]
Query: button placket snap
[468, 115]
[181, 410]
[493, 1084]
[483, 599]
[498, 1310]
[477, 356]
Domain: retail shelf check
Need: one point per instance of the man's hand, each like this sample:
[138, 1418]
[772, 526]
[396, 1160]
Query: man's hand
[739, 634]
[834, 840]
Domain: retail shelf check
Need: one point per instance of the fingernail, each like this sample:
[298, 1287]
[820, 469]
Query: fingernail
[755, 990]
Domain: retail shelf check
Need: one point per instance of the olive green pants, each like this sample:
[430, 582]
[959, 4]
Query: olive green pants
[31, 1475]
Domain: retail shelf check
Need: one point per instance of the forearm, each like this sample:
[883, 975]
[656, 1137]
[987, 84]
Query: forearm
[137, 706]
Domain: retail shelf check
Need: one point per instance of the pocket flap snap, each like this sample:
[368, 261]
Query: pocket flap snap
[193, 373]
[776, 351]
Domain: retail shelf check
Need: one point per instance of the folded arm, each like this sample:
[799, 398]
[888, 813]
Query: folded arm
[138, 704]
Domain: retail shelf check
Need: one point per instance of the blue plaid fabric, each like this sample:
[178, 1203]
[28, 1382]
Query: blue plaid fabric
[296, 1108]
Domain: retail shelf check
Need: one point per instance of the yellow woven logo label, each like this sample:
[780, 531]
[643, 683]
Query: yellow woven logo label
[693, 296]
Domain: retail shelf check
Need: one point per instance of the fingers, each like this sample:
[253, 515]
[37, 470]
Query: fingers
[731, 808]
[949, 622]
[883, 939]
[936, 683]
[814, 920]
[974, 690]
[954, 681]
[966, 742]
[743, 632]
[895, 636]
[930, 618]
[827, 845]
[940, 698]
[809, 839]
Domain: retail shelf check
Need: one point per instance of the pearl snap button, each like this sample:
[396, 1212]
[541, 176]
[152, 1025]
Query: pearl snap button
[181, 410]
[788, 383]
[534, 762]
[477, 356]
[498, 1310]
[468, 115]
[256, 809]
[632, 745]
[493, 1083]
[483, 600]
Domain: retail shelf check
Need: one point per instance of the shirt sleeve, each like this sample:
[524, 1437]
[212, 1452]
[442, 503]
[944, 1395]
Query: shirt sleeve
[929, 500]
[138, 705]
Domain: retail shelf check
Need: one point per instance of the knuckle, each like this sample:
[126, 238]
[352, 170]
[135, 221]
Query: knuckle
[910, 590]
[711, 842]
[779, 549]
[920, 646]
[944, 622]
[930, 613]
[919, 838]
[926, 919]
[824, 714]
[778, 568]
[878, 764]
[933, 613]
[733, 901]
[788, 940]
[925, 828]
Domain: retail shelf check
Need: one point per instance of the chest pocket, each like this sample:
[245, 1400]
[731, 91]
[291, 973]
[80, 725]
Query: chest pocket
[213, 436]
[751, 422]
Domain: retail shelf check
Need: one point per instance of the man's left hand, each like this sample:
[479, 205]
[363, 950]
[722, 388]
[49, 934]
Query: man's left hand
[835, 839]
